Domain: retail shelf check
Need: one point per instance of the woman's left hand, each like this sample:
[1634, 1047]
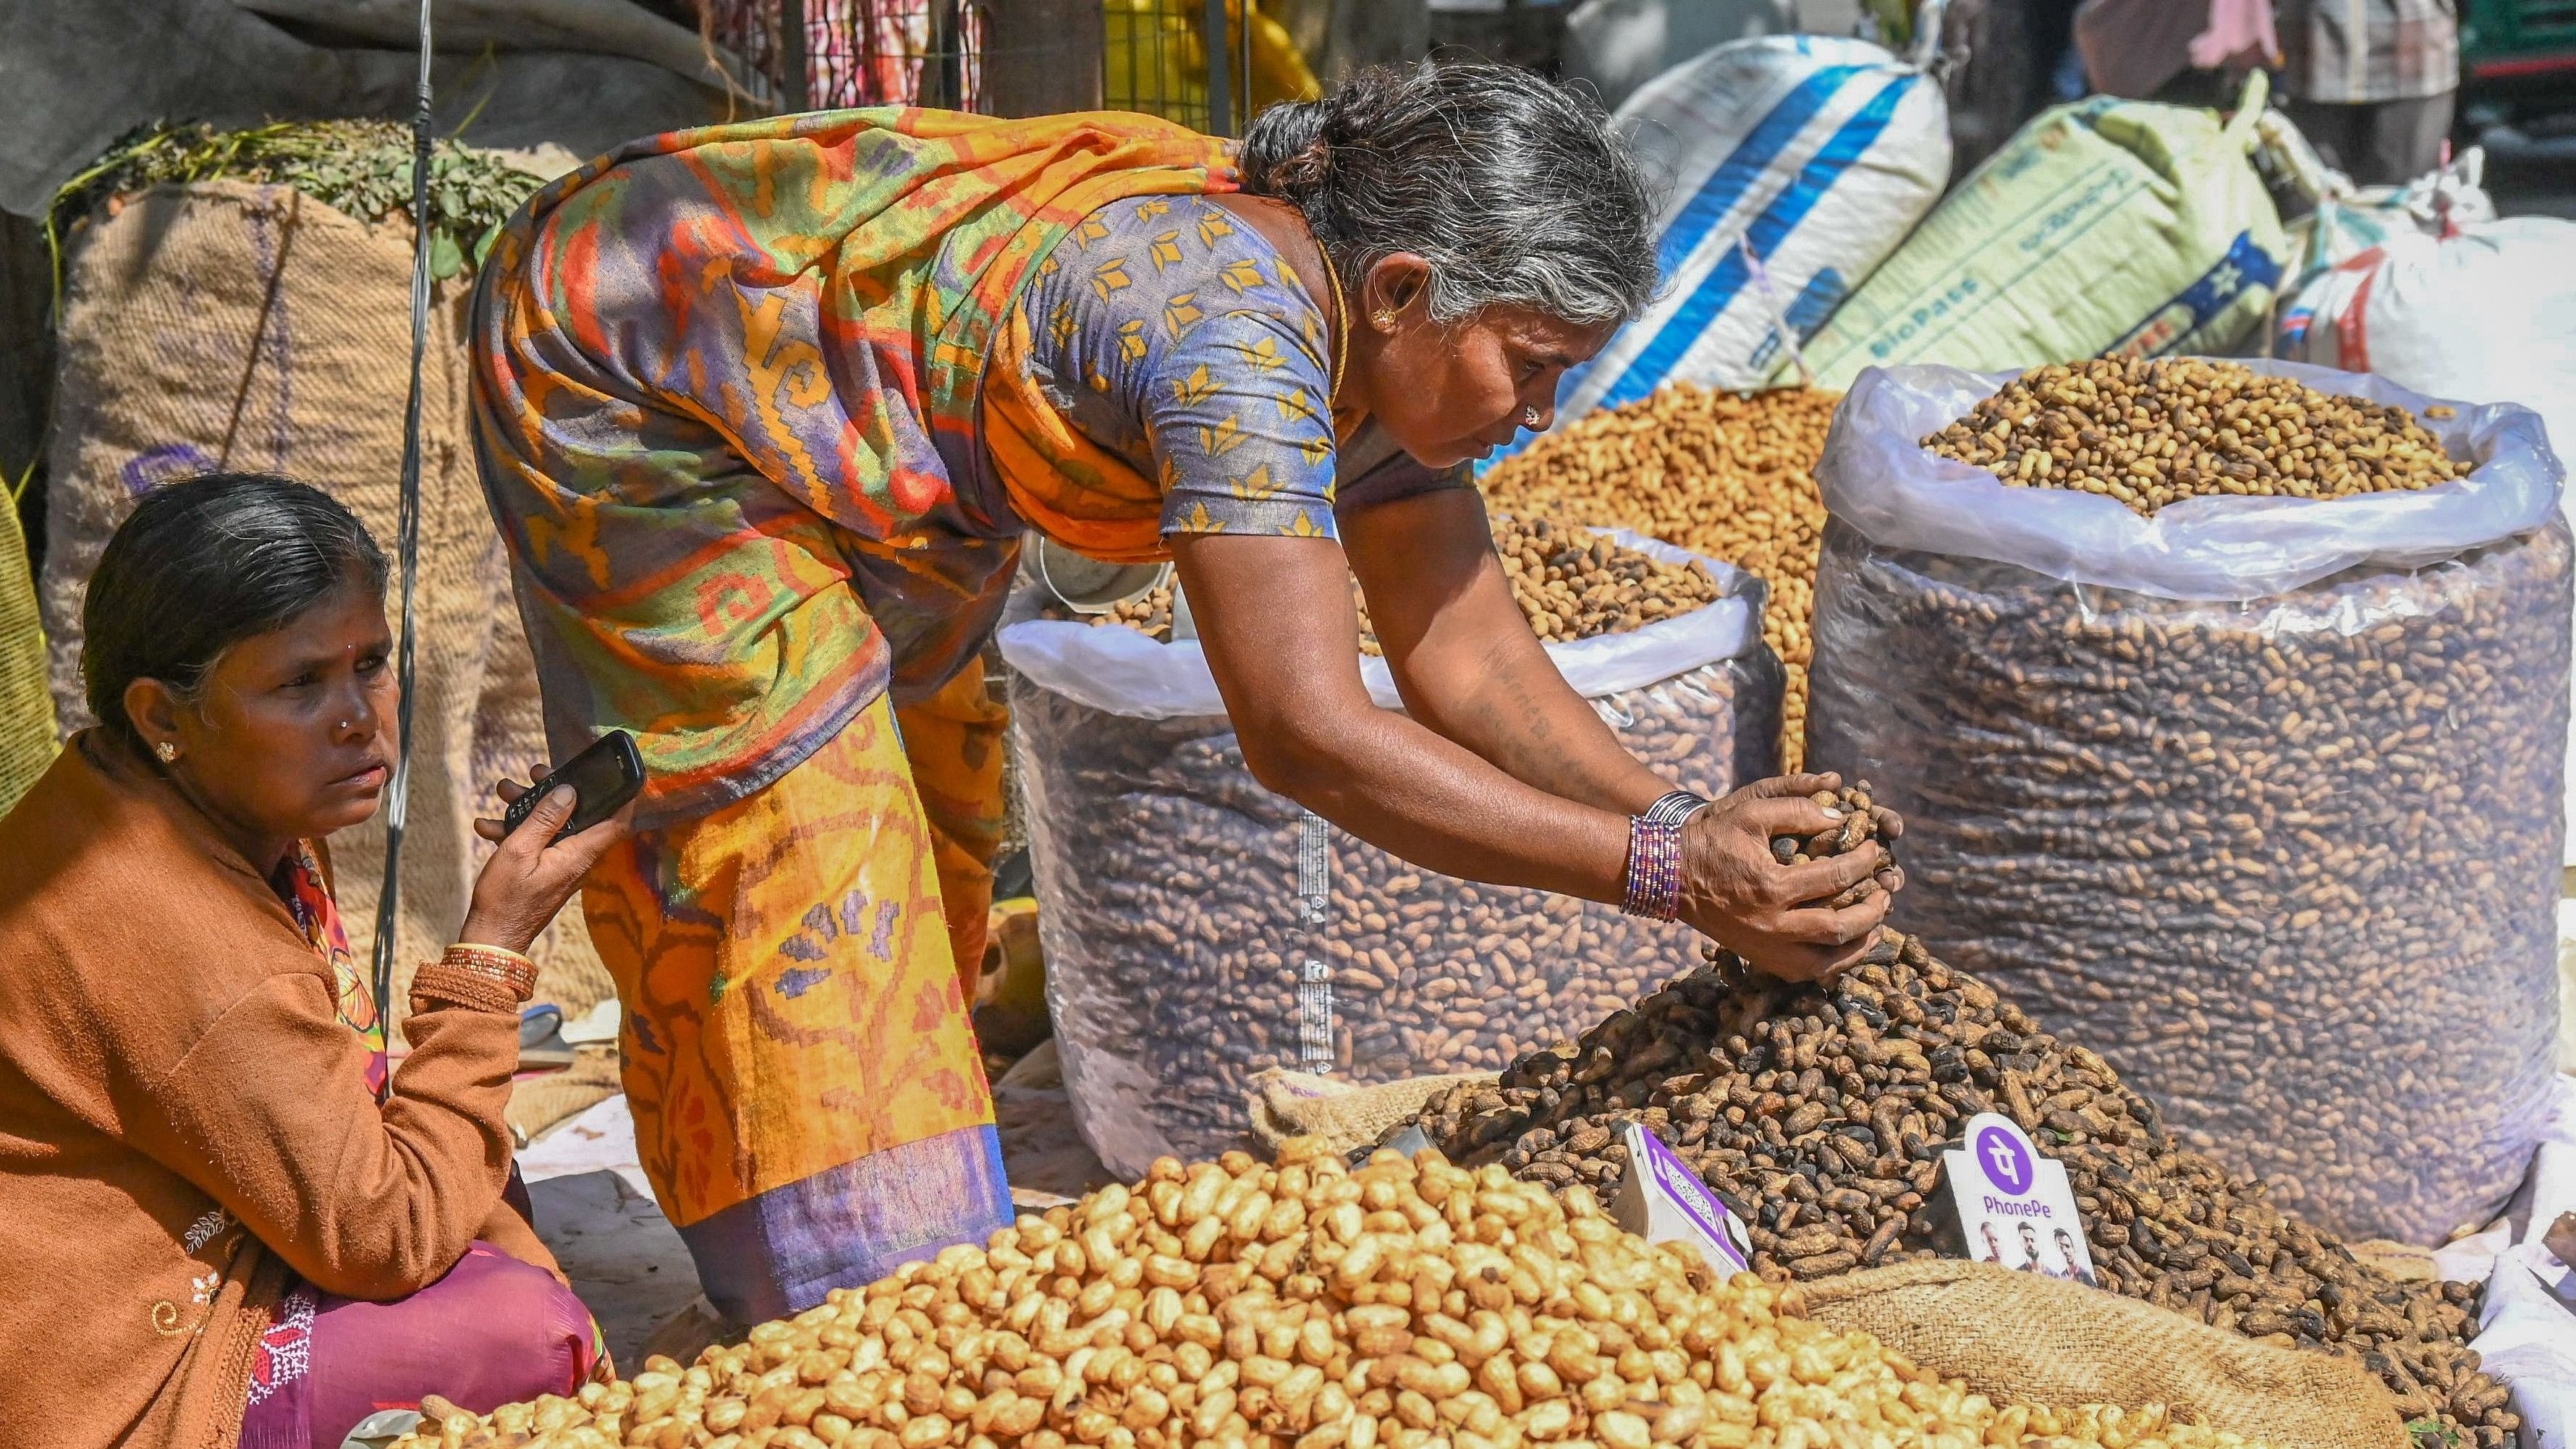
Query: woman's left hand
[530, 877]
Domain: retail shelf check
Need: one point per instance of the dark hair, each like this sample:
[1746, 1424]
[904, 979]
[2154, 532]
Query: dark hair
[1514, 188]
[202, 564]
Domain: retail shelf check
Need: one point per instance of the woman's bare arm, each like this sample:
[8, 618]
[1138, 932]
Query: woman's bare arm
[1465, 660]
[1282, 639]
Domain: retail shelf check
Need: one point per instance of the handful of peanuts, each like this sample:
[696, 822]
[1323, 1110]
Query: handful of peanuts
[1408, 1303]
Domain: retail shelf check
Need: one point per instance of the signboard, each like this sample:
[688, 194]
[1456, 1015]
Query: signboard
[2014, 1204]
[1663, 1201]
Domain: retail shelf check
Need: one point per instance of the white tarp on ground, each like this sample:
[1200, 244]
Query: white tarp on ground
[2528, 1334]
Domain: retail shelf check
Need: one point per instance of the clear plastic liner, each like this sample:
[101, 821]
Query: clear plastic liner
[1199, 928]
[2287, 855]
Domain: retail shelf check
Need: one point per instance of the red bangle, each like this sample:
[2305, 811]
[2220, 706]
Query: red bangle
[1654, 869]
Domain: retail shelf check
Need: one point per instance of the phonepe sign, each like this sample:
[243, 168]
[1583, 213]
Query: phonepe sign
[2000, 1180]
[1663, 1201]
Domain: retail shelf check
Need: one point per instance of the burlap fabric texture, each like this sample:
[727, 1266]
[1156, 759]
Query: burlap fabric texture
[2039, 1340]
[26, 708]
[1285, 1104]
[222, 325]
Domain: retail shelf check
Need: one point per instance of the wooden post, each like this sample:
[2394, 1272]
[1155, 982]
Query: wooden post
[1042, 57]
[796, 86]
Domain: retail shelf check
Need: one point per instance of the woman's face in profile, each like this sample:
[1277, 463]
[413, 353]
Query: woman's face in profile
[292, 731]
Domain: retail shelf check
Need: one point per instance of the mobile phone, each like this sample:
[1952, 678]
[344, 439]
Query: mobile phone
[603, 778]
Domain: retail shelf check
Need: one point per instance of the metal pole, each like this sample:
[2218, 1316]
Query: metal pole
[796, 87]
[1220, 105]
[1243, 51]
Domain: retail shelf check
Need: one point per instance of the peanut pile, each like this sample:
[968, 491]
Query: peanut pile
[1819, 1114]
[2153, 433]
[1410, 1304]
[1727, 475]
[1571, 584]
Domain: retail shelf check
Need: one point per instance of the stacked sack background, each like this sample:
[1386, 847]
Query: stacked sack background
[242, 301]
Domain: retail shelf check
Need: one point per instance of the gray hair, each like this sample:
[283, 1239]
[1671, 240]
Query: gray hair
[1514, 188]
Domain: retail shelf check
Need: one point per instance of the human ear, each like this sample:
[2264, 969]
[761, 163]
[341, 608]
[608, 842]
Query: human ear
[153, 708]
[1394, 283]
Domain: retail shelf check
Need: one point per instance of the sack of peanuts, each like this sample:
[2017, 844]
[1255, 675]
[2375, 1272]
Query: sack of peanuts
[1199, 929]
[2227, 708]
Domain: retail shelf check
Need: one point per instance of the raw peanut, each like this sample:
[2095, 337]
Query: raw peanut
[1727, 475]
[1185, 956]
[1818, 1114]
[2150, 434]
[1637, 1352]
[1570, 582]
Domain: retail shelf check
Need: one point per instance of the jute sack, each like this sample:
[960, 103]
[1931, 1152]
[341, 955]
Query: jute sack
[223, 325]
[1287, 1104]
[2040, 1340]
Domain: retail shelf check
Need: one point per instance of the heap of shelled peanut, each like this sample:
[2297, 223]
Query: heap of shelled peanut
[1724, 474]
[1408, 1303]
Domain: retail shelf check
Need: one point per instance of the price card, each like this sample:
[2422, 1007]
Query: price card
[2014, 1204]
[1663, 1201]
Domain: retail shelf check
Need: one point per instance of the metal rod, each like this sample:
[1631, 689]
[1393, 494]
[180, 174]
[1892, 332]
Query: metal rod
[1243, 50]
[1220, 105]
[797, 87]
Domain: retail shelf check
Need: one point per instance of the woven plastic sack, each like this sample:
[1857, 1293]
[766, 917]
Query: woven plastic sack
[2022, 1338]
[26, 706]
[1800, 161]
[2108, 227]
[1199, 929]
[2259, 798]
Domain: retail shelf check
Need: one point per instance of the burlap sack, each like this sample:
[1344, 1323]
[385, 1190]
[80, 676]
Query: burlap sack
[1287, 1104]
[26, 709]
[2043, 1341]
[225, 325]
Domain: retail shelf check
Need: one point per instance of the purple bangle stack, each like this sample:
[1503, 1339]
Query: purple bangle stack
[1654, 869]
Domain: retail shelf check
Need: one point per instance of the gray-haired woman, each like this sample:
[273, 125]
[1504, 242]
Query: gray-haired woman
[765, 412]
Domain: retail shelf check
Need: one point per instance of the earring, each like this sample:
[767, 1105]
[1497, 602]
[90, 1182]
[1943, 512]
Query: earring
[166, 751]
[1529, 419]
[1383, 319]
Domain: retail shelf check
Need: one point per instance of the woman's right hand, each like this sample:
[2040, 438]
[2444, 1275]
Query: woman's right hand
[1774, 916]
[527, 880]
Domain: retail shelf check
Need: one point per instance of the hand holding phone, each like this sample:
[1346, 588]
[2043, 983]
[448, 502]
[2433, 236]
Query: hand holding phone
[525, 882]
[603, 778]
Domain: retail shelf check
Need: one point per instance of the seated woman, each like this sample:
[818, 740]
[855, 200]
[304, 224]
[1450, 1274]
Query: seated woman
[232, 1225]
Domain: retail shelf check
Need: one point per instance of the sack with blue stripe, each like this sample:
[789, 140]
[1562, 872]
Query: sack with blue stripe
[1799, 161]
[2107, 227]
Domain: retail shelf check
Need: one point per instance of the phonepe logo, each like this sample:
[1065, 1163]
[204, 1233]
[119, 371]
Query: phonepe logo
[2004, 1161]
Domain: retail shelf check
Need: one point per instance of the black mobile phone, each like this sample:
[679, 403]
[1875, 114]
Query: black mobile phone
[603, 778]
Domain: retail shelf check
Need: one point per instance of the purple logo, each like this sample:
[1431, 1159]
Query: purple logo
[2004, 1161]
